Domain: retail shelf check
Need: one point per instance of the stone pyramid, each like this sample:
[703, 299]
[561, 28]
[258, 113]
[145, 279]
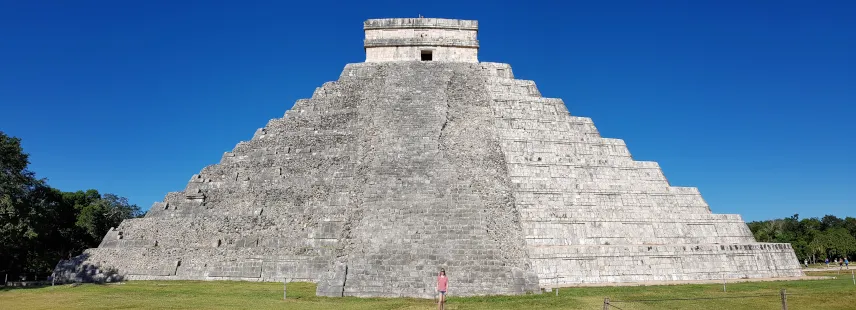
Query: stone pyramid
[423, 158]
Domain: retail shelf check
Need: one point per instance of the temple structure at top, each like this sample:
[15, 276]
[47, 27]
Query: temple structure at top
[426, 39]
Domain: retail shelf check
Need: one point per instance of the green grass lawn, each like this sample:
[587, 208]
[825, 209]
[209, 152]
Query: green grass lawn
[829, 294]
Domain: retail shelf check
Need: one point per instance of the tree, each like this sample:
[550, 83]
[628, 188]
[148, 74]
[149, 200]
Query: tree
[16, 210]
[836, 242]
[768, 231]
[809, 229]
[850, 225]
[40, 225]
[109, 211]
[831, 221]
[811, 238]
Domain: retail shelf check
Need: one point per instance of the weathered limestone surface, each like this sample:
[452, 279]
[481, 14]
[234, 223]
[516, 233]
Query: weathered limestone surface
[377, 181]
[399, 39]
[592, 214]
[400, 168]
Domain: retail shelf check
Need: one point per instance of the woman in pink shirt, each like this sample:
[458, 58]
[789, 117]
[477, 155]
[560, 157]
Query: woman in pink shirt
[442, 281]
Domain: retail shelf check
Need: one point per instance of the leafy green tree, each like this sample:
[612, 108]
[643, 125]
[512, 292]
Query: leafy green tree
[831, 221]
[811, 238]
[16, 210]
[109, 211]
[767, 231]
[850, 225]
[836, 242]
[810, 228]
[40, 225]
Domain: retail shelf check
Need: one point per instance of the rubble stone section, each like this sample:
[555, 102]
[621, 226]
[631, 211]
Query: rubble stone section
[400, 168]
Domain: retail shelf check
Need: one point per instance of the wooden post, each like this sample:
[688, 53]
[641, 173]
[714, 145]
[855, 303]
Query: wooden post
[784, 300]
[853, 275]
[284, 285]
[6, 282]
[724, 290]
[606, 303]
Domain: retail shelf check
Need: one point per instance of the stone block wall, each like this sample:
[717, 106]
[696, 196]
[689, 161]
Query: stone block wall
[575, 265]
[439, 53]
[593, 214]
[405, 39]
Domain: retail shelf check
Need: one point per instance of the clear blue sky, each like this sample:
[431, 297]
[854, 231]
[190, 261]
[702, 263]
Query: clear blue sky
[750, 101]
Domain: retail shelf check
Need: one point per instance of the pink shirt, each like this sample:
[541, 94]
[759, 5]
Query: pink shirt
[441, 283]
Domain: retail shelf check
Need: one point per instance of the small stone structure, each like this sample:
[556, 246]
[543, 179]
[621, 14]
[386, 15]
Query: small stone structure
[406, 165]
[426, 39]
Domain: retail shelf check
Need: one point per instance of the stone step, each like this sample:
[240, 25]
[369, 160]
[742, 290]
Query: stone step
[587, 264]
[568, 215]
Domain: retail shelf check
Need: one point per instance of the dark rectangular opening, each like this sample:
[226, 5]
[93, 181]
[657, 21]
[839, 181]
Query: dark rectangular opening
[426, 56]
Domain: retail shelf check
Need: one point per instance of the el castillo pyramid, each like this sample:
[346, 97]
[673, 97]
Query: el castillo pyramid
[423, 158]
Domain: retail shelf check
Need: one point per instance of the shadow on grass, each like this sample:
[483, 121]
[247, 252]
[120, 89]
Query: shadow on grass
[72, 272]
[44, 284]
[28, 286]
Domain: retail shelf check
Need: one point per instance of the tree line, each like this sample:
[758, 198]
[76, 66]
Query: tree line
[39, 224]
[812, 238]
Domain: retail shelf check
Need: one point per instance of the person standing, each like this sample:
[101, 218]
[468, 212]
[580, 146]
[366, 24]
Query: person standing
[442, 285]
[846, 263]
[827, 262]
